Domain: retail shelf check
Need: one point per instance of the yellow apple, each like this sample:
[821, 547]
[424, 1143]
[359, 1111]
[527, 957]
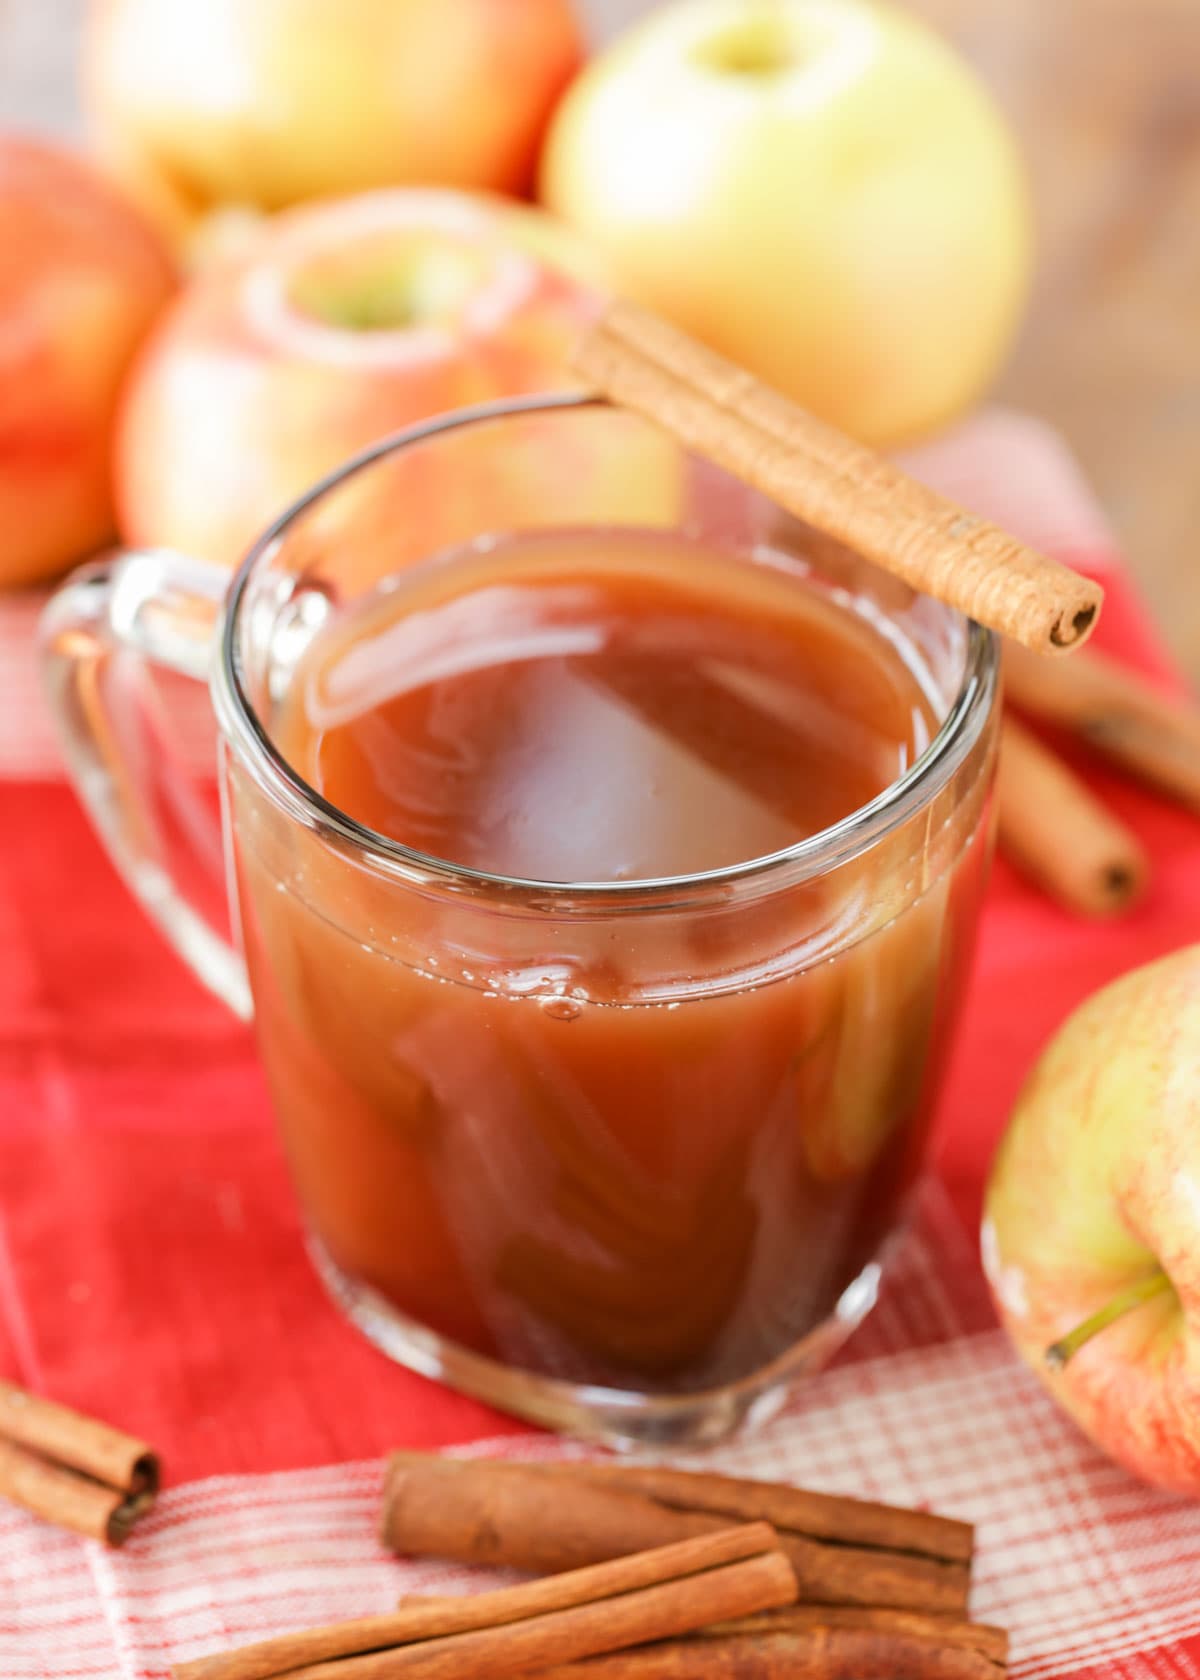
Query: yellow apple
[269, 102]
[81, 278]
[1091, 1234]
[820, 189]
[329, 327]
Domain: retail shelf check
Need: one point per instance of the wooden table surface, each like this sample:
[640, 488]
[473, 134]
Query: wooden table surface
[1105, 98]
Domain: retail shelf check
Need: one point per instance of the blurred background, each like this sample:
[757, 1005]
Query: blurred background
[1104, 97]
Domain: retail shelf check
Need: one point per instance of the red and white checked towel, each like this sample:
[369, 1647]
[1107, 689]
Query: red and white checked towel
[1088, 1571]
[151, 1264]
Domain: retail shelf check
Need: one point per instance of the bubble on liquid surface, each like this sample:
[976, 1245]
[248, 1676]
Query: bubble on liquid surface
[560, 1008]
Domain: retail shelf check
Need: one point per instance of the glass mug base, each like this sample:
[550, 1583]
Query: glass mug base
[624, 1419]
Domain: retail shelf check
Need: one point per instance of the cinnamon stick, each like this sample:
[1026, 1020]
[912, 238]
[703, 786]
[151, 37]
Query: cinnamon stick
[84, 1443]
[543, 1624]
[543, 1519]
[987, 1641]
[1059, 834]
[944, 1630]
[840, 488]
[1116, 711]
[71, 1469]
[819, 1654]
[820, 1516]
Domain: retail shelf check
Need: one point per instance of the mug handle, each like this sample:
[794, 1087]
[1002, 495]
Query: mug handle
[100, 633]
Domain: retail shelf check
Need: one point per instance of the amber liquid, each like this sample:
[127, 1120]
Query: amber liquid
[644, 1150]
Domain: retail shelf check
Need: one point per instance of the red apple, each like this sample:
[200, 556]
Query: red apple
[270, 102]
[337, 324]
[1091, 1235]
[80, 279]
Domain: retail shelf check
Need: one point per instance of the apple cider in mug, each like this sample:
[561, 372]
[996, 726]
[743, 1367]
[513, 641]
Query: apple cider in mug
[621, 1129]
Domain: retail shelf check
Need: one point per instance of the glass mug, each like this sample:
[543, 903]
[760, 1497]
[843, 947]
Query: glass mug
[635, 1212]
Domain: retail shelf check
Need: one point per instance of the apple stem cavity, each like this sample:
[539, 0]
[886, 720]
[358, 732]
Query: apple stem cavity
[413, 285]
[756, 46]
[1145, 1289]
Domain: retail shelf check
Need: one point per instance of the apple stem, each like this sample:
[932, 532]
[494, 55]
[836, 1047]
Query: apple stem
[1145, 1289]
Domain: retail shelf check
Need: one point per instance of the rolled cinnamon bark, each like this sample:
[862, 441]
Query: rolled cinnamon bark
[524, 1630]
[1116, 711]
[987, 1641]
[65, 1498]
[71, 1438]
[820, 1516]
[835, 485]
[547, 1518]
[805, 1619]
[824, 1654]
[71, 1469]
[513, 1516]
[1057, 832]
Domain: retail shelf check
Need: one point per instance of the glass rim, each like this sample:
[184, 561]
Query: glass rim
[804, 860]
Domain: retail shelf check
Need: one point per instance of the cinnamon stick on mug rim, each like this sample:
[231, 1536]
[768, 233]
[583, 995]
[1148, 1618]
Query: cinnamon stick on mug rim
[1055, 830]
[1116, 711]
[543, 1519]
[842, 489]
[521, 1630]
[71, 1469]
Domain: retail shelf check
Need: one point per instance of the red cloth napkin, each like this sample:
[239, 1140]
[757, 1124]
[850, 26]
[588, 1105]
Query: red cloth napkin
[152, 1267]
